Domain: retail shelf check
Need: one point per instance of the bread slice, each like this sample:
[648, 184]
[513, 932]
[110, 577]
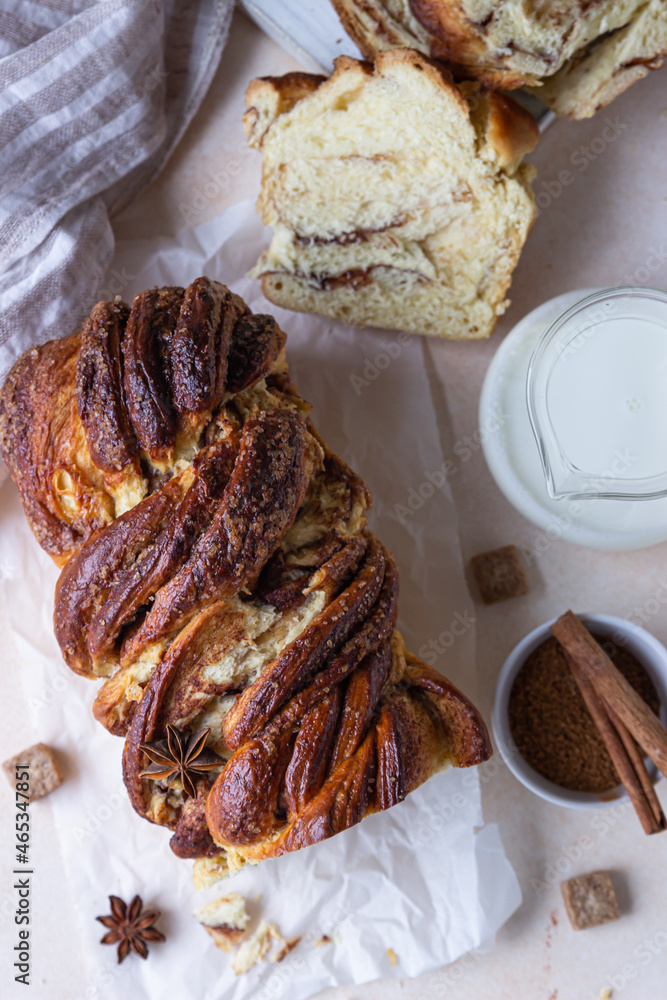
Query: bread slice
[603, 71]
[397, 199]
[578, 56]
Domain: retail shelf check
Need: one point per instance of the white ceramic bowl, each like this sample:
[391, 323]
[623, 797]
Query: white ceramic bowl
[648, 650]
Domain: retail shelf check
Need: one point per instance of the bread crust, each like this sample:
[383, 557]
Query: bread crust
[280, 94]
[373, 28]
[46, 449]
[462, 44]
[507, 128]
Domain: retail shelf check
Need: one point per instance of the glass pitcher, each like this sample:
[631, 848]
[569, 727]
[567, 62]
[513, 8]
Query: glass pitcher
[596, 392]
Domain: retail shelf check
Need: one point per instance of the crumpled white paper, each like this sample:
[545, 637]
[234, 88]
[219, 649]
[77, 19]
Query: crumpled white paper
[426, 879]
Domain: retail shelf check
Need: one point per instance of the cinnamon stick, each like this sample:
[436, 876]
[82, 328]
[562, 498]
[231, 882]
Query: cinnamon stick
[617, 750]
[637, 762]
[612, 687]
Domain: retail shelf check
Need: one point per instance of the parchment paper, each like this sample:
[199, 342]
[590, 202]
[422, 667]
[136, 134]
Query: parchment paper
[426, 879]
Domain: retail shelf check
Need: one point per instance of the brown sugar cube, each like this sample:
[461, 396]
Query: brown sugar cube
[499, 574]
[44, 771]
[590, 900]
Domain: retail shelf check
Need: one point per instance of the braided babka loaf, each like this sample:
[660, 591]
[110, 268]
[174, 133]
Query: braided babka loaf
[219, 574]
[577, 54]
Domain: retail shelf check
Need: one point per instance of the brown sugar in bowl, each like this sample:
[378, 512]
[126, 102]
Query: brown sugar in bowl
[650, 653]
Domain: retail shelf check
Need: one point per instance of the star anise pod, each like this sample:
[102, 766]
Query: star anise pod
[180, 756]
[130, 927]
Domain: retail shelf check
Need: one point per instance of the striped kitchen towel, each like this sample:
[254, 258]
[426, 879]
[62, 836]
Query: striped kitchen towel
[94, 95]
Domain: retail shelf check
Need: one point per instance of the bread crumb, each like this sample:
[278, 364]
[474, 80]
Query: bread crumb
[392, 956]
[285, 949]
[207, 871]
[606, 993]
[255, 948]
[325, 939]
[225, 919]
